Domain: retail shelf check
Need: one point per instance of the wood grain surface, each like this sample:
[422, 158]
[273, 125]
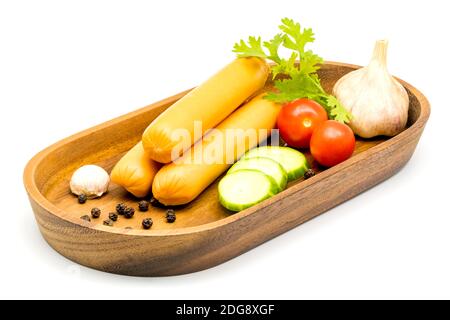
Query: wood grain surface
[204, 234]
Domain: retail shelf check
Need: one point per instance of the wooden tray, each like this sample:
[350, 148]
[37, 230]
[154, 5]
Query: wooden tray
[205, 234]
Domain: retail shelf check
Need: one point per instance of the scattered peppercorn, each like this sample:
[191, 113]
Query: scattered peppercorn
[309, 173]
[113, 216]
[147, 223]
[108, 223]
[143, 205]
[170, 216]
[156, 203]
[86, 218]
[120, 208]
[96, 212]
[82, 198]
[129, 213]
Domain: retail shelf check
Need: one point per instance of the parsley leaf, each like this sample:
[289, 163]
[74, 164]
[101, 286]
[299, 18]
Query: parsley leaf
[285, 66]
[253, 49]
[302, 80]
[273, 47]
[308, 86]
[310, 62]
[295, 39]
[337, 110]
[298, 86]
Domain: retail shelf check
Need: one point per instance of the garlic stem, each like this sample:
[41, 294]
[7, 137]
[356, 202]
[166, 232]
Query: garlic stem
[379, 55]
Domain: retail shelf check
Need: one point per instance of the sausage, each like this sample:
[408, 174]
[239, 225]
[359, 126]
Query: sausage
[135, 171]
[208, 104]
[183, 180]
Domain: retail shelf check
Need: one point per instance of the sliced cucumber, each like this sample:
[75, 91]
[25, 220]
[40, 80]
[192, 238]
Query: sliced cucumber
[293, 161]
[268, 166]
[244, 188]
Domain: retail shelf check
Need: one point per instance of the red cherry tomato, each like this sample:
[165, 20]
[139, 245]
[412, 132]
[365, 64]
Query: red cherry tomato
[332, 142]
[297, 121]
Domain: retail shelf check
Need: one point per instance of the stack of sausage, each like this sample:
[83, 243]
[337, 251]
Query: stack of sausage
[171, 165]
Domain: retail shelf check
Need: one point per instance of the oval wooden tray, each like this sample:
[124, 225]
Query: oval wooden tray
[205, 234]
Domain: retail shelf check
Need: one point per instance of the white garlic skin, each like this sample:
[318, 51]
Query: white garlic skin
[379, 103]
[90, 180]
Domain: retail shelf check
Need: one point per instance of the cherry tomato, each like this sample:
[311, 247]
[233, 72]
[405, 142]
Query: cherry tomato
[332, 142]
[297, 121]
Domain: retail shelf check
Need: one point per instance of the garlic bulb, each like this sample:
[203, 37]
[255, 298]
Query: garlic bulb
[379, 103]
[89, 180]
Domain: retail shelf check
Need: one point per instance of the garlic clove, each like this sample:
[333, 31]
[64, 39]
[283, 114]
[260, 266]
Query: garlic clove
[90, 180]
[378, 102]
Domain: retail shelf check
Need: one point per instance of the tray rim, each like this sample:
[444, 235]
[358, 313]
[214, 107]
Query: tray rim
[34, 193]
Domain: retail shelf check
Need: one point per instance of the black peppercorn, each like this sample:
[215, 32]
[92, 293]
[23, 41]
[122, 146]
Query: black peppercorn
[113, 216]
[129, 213]
[147, 223]
[156, 203]
[86, 218]
[95, 213]
[170, 216]
[309, 173]
[120, 208]
[143, 205]
[82, 198]
[108, 223]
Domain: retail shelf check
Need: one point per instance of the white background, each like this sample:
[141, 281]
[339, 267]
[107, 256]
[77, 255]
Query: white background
[68, 65]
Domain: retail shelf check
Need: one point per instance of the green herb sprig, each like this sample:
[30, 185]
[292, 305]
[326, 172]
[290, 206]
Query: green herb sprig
[300, 79]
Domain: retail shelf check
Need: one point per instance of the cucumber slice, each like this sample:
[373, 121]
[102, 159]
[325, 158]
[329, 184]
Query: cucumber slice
[268, 166]
[293, 161]
[244, 188]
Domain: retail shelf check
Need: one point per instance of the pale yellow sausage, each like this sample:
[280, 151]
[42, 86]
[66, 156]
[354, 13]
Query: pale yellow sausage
[210, 104]
[181, 182]
[135, 171]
